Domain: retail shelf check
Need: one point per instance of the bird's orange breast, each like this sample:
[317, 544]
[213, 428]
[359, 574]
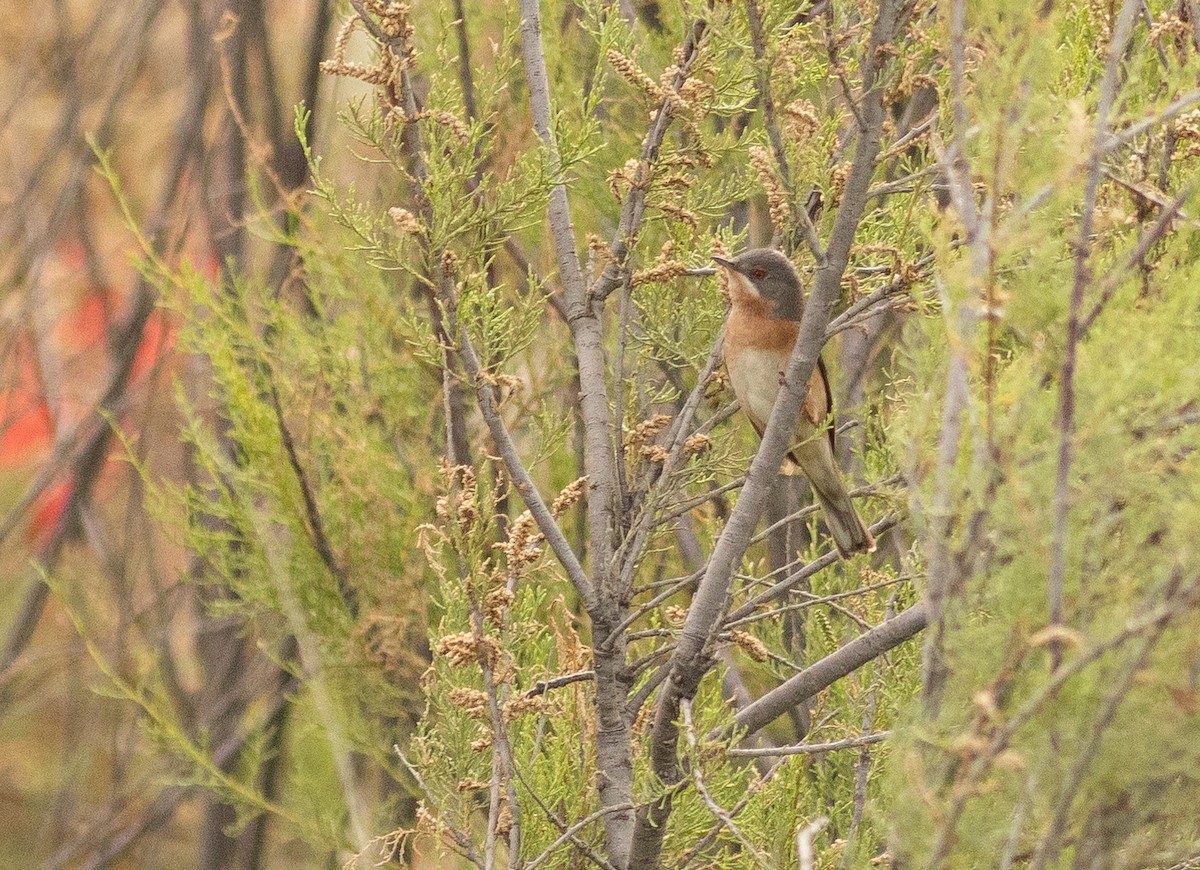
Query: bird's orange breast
[757, 349]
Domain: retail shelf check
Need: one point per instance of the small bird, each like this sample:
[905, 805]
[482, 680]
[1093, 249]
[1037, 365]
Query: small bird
[768, 300]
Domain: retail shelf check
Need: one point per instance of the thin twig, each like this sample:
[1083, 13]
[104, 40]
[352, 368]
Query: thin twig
[814, 748]
[460, 839]
[713, 807]
[541, 687]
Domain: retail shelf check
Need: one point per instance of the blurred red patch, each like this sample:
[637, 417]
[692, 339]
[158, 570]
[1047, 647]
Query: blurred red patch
[25, 425]
[88, 324]
[158, 339]
[46, 511]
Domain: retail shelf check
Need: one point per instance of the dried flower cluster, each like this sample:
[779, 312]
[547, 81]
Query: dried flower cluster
[570, 495]
[523, 546]
[910, 81]
[654, 453]
[454, 124]
[628, 69]
[1170, 27]
[1187, 128]
[665, 268]
[801, 120]
[696, 444]
[777, 199]
[749, 644]
[680, 213]
[406, 222]
[647, 429]
[837, 183]
[719, 249]
[504, 820]
[599, 248]
[472, 701]
[463, 649]
[717, 383]
[522, 705]
[634, 175]
[392, 19]
[459, 503]
[496, 603]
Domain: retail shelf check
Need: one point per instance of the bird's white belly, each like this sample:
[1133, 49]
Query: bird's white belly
[755, 380]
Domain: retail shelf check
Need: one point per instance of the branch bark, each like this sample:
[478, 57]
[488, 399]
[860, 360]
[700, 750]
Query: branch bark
[614, 754]
[833, 667]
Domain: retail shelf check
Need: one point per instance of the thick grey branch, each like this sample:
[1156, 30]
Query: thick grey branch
[830, 669]
[614, 755]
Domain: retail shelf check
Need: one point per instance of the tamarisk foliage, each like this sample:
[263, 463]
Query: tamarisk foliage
[472, 475]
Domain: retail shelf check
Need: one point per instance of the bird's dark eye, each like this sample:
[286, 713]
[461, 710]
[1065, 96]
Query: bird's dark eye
[758, 274]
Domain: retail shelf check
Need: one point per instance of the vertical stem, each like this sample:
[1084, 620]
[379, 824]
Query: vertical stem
[614, 758]
[1082, 278]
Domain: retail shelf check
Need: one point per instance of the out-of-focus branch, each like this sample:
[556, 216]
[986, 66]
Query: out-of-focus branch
[956, 170]
[1148, 240]
[1082, 279]
[316, 524]
[80, 454]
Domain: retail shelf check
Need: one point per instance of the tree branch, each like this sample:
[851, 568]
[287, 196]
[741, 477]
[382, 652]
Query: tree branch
[830, 669]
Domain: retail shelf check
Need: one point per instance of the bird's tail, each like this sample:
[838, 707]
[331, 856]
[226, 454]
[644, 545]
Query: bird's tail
[847, 528]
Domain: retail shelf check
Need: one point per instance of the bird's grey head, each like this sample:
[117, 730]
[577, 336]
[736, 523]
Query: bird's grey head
[772, 276]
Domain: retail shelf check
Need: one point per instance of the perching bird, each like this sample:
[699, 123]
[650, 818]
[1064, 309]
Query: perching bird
[768, 299]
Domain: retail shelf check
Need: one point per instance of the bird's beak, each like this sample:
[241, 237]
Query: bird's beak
[728, 264]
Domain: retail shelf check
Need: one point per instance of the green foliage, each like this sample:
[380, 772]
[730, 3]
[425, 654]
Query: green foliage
[327, 523]
[1014, 764]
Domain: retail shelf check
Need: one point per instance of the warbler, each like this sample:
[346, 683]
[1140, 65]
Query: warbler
[767, 300]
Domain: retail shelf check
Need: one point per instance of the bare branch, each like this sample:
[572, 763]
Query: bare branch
[830, 669]
[461, 840]
[316, 525]
[877, 529]
[574, 829]
[634, 207]
[713, 807]
[814, 748]
[521, 478]
[614, 758]
[541, 687]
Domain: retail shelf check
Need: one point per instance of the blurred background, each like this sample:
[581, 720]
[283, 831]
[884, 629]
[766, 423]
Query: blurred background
[173, 92]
